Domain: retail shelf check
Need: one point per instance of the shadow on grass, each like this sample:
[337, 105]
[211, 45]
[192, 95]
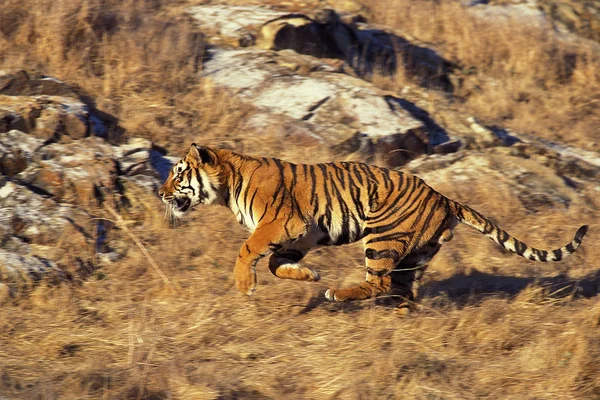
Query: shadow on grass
[462, 290]
[472, 289]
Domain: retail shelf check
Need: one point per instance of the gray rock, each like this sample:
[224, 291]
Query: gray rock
[342, 111]
[49, 108]
[46, 190]
[292, 87]
[228, 24]
[16, 268]
[16, 151]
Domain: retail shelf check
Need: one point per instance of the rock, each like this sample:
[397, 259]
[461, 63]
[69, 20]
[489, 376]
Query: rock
[483, 135]
[230, 24]
[299, 33]
[134, 157]
[16, 151]
[22, 84]
[365, 48]
[300, 85]
[10, 120]
[31, 216]
[75, 126]
[348, 6]
[49, 109]
[48, 124]
[346, 113]
[51, 174]
[12, 162]
[16, 268]
[49, 192]
[580, 17]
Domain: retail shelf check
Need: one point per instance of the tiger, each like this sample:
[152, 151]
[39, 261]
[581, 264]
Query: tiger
[292, 208]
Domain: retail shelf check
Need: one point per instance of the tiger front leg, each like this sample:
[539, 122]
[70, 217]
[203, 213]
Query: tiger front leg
[284, 264]
[245, 269]
[259, 244]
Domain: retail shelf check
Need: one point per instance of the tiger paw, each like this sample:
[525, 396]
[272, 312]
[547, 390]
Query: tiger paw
[406, 307]
[330, 295]
[245, 281]
[245, 287]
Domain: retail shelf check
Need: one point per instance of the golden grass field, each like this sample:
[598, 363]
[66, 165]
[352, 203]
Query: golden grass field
[489, 324]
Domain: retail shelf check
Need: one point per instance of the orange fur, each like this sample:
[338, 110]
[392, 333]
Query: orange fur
[291, 208]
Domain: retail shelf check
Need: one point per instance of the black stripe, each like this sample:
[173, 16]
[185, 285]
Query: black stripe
[541, 255]
[580, 234]
[281, 189]
[425, 227]
[557, 255]
[488, 227]
[339, 173]
[401, 237]
[357, 174]
[405, 215]
[570, 248]
[502, 236]
[520, 247]
[313, 189]
[290, 254]
[251, 204]
[373, 254]
[405, 195]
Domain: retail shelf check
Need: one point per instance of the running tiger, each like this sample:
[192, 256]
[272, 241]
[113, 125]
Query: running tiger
[291, 208]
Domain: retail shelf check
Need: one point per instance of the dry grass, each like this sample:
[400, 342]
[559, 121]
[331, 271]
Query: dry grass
[491, 325]
[516, 75]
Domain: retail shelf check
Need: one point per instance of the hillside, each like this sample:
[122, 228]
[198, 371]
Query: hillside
[102, 297]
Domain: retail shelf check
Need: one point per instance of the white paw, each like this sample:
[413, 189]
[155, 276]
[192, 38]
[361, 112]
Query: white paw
[329, 296]
[250, 292]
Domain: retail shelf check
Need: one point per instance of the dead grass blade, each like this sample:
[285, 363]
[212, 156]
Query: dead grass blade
[121, 223]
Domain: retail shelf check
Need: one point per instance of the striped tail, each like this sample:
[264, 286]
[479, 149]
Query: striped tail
[470, 217]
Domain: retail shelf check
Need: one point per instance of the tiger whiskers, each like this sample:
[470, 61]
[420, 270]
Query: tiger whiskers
[170, 214]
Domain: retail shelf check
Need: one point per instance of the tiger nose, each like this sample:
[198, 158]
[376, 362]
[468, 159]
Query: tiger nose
[161, 193]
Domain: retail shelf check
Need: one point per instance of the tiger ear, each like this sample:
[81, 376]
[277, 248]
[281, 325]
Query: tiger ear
[202, 155]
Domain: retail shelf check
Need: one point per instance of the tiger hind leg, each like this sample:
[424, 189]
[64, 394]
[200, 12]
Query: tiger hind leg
[373, 286]
[378, 280]
[406, 277]
[390, 271]
[284, 264]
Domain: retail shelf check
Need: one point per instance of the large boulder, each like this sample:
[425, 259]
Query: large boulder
[48, 108]
[292, 73]
[343, 112]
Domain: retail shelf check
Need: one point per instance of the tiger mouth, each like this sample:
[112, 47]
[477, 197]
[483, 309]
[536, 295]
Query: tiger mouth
[182, 205]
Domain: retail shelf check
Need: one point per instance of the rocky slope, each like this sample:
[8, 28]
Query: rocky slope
[304, 75]
[56, 166]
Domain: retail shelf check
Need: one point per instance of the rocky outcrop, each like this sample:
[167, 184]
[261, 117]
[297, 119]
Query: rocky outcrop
[343, 112]
[578, 16]
[56, 168]
[364, 49]
[292, 71]
[59, 160]
[49, 109]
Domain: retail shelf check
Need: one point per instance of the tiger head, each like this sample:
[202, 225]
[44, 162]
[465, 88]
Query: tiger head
[193, 180]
